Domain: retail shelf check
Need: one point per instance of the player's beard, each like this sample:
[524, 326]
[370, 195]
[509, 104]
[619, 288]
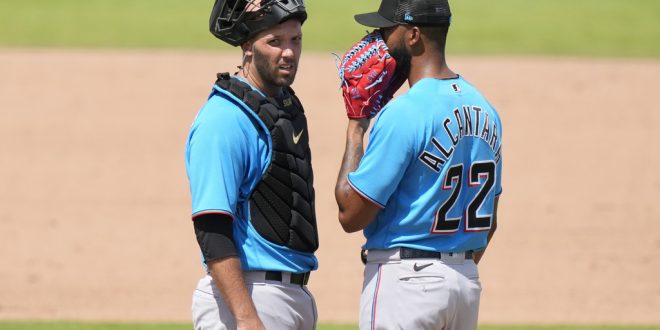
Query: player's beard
[403, 60]
[269, 72]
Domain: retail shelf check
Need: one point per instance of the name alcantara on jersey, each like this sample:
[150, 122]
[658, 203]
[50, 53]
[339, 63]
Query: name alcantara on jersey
[469, 121]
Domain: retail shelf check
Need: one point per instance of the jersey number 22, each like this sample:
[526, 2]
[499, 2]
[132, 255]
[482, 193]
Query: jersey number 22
[454, 181]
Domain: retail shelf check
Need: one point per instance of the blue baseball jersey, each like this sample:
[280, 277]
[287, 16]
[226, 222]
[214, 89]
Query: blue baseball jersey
[434, 164]
[228, 151]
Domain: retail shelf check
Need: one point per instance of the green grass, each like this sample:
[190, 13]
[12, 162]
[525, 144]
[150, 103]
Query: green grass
[566, 27]
[568, 327]
[5, 325]
[578, 27]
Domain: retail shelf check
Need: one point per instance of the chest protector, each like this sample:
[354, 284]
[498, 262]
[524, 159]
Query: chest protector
[282, 204]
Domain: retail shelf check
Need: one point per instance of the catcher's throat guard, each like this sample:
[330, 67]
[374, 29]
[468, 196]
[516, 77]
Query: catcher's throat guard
[236, 21]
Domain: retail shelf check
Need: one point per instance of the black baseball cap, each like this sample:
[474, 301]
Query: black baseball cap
[413, 12]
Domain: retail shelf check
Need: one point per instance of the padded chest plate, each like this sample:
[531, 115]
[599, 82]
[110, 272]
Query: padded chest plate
[282, 204]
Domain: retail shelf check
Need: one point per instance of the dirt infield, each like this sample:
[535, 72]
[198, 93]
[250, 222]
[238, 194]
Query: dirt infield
[94, 202]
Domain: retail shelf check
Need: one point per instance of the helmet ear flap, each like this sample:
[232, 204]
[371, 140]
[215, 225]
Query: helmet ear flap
[226, 23]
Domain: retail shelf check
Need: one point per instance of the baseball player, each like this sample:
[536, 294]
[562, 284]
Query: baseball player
[426, 189]
[249, 166]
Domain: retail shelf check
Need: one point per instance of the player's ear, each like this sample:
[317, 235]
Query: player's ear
[247, 48]
[413, 36]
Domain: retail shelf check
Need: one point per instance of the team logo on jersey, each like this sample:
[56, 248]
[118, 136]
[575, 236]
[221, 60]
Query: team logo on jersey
[456, 88]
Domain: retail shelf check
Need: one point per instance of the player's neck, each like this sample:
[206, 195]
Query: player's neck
[429, 67]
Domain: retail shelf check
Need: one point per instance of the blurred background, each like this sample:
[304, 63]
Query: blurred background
[610, 28]
[97, 96]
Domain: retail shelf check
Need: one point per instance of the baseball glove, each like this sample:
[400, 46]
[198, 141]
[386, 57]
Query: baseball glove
[367, 74]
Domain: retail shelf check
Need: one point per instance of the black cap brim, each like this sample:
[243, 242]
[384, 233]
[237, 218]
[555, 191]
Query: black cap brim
[374, 20]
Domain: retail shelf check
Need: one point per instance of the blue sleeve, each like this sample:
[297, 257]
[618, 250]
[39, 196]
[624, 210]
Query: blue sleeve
[498, 183]
[216, 153]
[388, 155]
[498, 156]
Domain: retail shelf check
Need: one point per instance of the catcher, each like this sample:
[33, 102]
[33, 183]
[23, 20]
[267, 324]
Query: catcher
[425, 191]
[249, 166]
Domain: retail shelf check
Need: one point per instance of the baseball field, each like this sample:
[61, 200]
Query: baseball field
[97, 96]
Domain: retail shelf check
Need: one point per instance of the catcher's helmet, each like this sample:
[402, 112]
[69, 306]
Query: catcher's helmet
[236, 21]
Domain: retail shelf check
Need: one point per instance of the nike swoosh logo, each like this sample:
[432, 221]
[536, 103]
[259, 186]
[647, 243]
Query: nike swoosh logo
[420, 267]
[296, 137]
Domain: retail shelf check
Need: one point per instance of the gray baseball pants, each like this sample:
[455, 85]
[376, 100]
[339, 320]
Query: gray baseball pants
[440, 294]
[280, 305]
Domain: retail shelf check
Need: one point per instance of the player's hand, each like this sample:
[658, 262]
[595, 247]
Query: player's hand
[367, 74]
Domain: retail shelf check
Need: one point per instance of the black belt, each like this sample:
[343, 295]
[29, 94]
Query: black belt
[296, 278]
[408, 253]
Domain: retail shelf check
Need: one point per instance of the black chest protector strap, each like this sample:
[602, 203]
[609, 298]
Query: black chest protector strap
[282, 204]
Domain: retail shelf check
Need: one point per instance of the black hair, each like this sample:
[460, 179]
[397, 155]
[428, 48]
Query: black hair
[436, 34]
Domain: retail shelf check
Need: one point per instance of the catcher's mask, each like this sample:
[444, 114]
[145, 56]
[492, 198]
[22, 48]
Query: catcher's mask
[232, 23]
